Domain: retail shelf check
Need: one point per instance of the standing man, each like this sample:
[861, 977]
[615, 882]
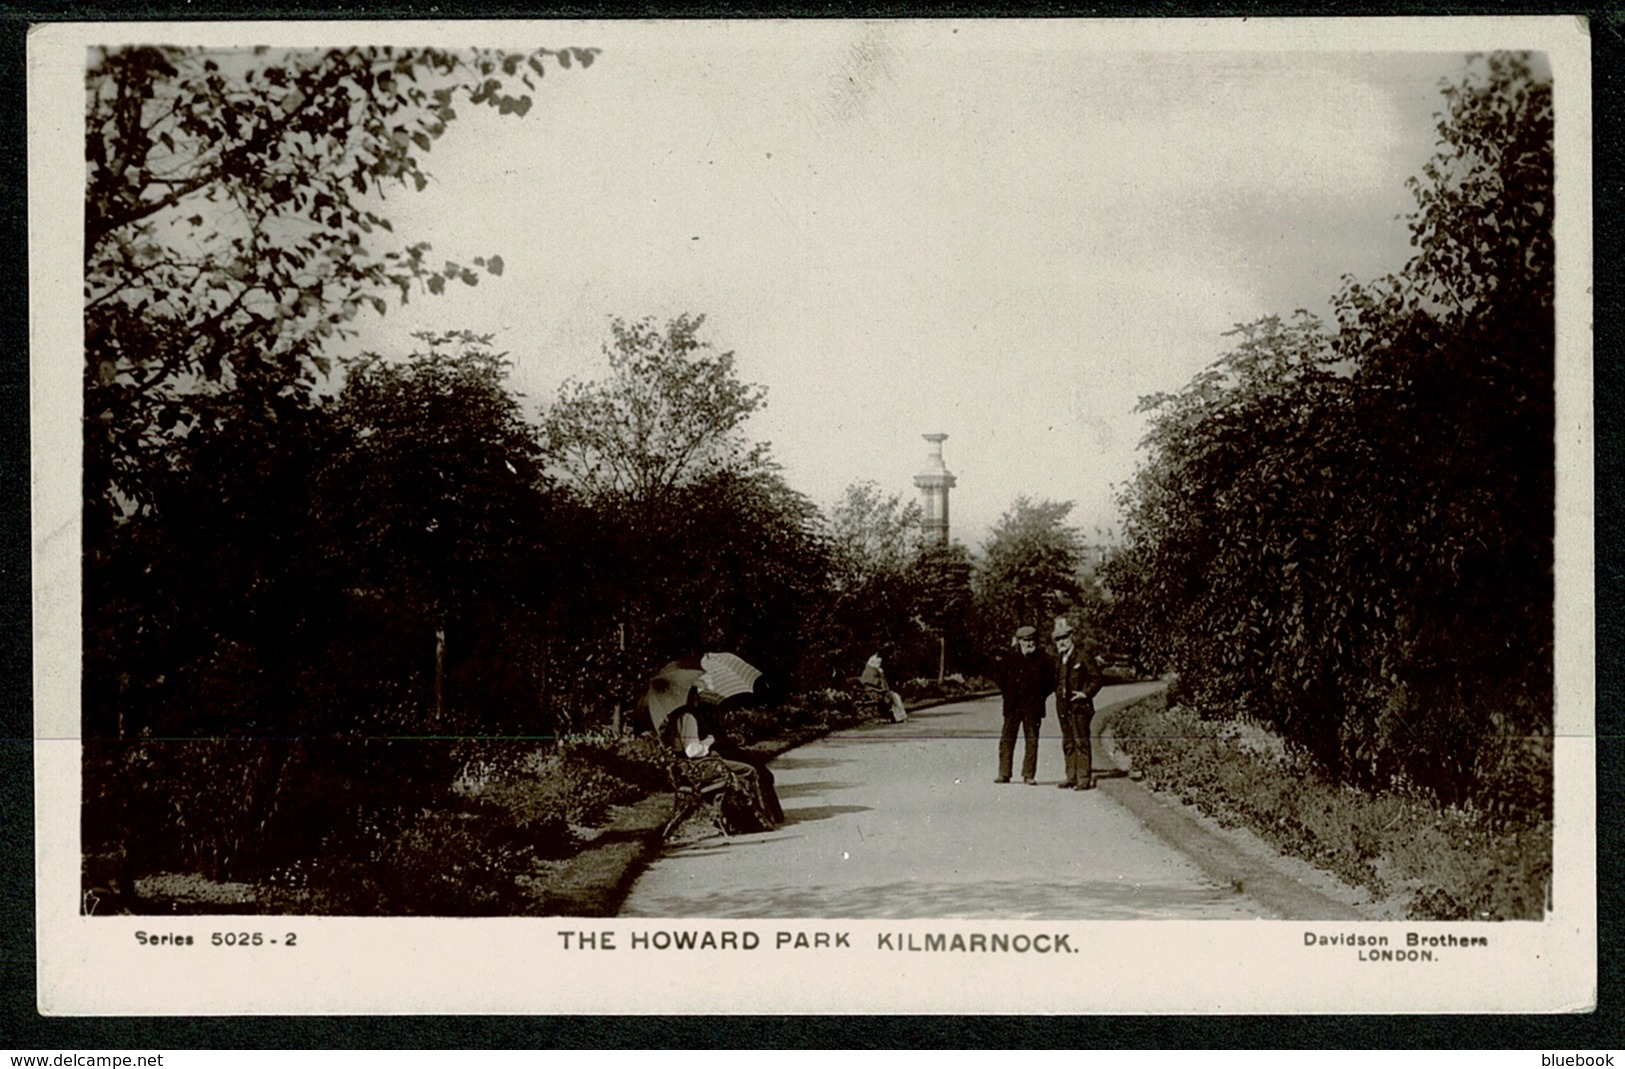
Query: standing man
[1077, 681]
[1027, 682]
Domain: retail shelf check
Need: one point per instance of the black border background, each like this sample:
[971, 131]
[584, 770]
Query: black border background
[21, 1026]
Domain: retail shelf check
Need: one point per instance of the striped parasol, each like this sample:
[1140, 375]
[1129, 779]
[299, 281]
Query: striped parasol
[725, 676]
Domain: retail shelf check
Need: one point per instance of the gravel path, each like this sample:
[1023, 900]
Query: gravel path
[904, 820]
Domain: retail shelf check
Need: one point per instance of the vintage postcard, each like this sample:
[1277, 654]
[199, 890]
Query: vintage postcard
[910, 516]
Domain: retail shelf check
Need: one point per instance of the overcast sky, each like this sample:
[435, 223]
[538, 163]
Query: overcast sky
[1001, 232]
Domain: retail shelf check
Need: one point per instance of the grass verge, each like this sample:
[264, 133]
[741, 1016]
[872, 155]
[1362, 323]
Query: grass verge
[1453, 863]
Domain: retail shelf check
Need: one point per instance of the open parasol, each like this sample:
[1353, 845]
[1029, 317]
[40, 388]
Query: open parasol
[726, 675]
[668, 690]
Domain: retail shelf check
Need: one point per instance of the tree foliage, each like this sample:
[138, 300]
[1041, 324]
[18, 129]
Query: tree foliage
[272, 618]
[670, 412]
[895, 589]
[234, 223]
[696, 541]
[875, 537]
[752, 569]
[440, 489]
[945, 605]
[1230, 453]
[875, 540]
[1348, 533]
[447, 526]
[1029, 570]
[189, 614]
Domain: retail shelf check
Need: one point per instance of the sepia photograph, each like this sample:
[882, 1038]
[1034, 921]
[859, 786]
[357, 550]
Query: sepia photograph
[938, 500]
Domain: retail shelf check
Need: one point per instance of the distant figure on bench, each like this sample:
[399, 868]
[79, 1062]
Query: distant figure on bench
[888, 703]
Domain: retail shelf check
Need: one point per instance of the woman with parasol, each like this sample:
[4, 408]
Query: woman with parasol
[686, 733]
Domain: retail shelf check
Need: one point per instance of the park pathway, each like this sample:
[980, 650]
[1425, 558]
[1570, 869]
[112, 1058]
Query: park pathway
[904, 820]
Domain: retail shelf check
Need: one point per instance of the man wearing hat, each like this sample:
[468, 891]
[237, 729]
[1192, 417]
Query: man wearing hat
[1077, 681]
[1026, 685]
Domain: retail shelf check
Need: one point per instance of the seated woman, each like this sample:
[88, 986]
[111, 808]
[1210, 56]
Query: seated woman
[702, 767]
[888, 704]
[728, 750]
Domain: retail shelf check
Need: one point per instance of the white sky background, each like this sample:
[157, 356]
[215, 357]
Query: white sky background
[992, 231]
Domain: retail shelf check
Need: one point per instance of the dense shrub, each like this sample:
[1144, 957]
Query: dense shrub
[248, 808]
[953, 686]
[545, 792]
[794, 719]
[211, 806]
[1347, 533]
[452, 863]
[637, 760]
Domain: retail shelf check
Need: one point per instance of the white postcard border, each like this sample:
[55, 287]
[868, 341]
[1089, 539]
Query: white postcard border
[96, 965]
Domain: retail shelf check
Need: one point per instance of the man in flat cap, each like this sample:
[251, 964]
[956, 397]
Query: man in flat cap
[1026, 685]
[1077, 681]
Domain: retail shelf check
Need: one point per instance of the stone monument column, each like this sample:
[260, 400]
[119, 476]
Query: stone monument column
[934, 483]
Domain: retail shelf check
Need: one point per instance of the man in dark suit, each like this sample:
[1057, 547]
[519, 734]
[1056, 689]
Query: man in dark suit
[1077, 681]
[1026, 684]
